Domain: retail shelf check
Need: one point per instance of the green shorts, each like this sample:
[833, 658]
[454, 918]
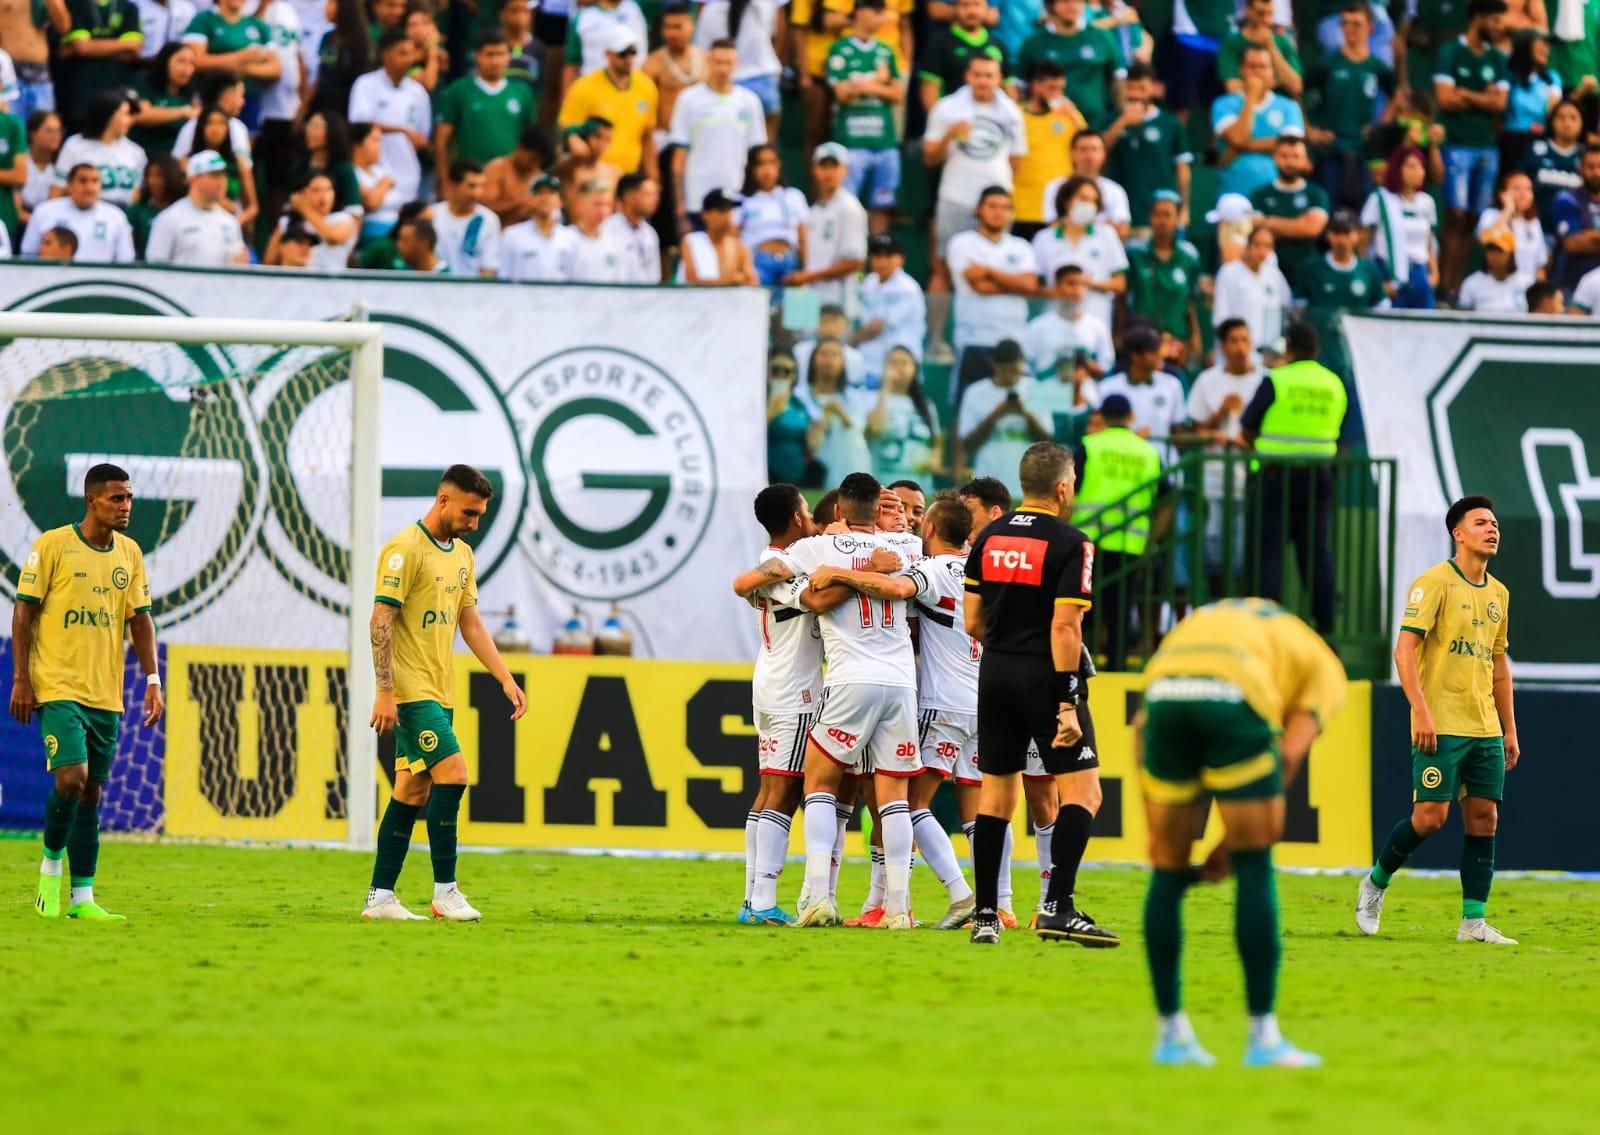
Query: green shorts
[424, 735]
[1200, 735]
[76, 734]
[1462, 766]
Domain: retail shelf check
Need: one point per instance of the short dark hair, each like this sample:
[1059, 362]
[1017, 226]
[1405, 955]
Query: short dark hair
[1486, 8]
[1252, 48]
[394, 37]
[1141, 71]
[827, 509]
[858, 498]
[66, 236]
[1046, 69]
[950, 520]
[723, 44]
[832, 311]
[422, 229]
[1301, 340]
[490, 37]
[463, 166]
[410, 211]
[1085, 134]
[1141, 340]
[991, 492]
[1288, 140]
[99, 476]
[776, 506]
[1068, 270]
[1539, 291]
[1044, 466]
[73, 172]
[907, 483]
[993, 191]
[1228, 327]
[628, 182]
[1458, 511]
[468, 480]
[978, 57]
[1352, 7]
[676, 8]
[304, 181]
[1007, 352]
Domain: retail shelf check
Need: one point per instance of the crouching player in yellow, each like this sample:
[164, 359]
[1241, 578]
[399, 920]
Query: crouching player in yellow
[1235, 696]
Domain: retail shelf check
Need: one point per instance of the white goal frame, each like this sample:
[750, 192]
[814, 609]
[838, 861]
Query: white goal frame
[364, 341]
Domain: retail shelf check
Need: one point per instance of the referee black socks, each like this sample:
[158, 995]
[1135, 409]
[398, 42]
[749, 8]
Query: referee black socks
[988, 848]
[1067, 845]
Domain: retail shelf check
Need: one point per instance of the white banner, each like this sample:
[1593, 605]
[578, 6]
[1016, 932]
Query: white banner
[624, 428]
[1505, 407]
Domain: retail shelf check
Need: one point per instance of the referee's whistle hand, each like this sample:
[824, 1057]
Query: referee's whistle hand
[1068, 731]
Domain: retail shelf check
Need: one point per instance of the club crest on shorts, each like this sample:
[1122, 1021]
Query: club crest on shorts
[428, 740]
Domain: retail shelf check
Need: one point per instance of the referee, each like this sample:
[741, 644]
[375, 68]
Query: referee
[1029, 581]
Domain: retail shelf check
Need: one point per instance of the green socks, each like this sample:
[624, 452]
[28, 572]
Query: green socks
[394, 840]
[1255, 927]
[1163, 936]
[58, 812]
[83, 844]
[1477, 874]
[443, 806]
[1402, 841]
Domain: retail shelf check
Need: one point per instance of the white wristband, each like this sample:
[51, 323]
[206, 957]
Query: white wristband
[152, 680]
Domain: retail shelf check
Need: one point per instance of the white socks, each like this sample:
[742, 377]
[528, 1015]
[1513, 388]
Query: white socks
[940, 854]
[48, 866]
[1041, 839]
[751, 823]
[821, 828]
[443, 888]
[1177, 1028]
[842, 814]
[772, 848]
[82, 894]
[1264, 1030]
[1003, 893]
[875, 888]
[895, 819]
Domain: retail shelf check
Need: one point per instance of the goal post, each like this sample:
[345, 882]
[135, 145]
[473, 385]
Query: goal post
[193, 407]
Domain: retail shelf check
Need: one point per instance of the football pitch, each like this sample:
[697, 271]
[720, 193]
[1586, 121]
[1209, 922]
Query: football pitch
[243, 996]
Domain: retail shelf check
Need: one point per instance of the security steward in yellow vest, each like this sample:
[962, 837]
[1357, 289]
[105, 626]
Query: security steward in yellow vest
[1298, 417]
[1119, 487]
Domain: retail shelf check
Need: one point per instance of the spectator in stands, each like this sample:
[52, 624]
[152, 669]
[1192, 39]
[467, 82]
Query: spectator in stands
[214, 132]
[1079, 238]
[1292, 208]
[1470, 83]
[526, 65]
[1257, 30]
[1533, 93]
[381, 254]
[22, 31]
[39, 165]
[771, 218]
[60, 243]
[638, 197]
[416, 244]
[98, 53]
[1050, 121]
[833, 323]
[13, 164]
[166, 101]
[163, 185]
[839, 413]
[1339, 281]
[1216, 407]
[1067, 342]
[508, 181]
[468, 233]
[1155, 395]
[1577, 217]
[976, 136]
[105, 145]
[323, 146]
[1164, 278]
[1254, 290]
[1552, 161]
[199, 230]
[675, 66]
[1089, 161]
[344, 53]
[226, 41]
[903, 430]
[281, 105]
[1500, 287]
[754, 27]
[715, 254]
[894, 313]
[995, 275]
[539, 248]
[622, 95]
[864, 78]
[1399, 219]
[592, 38]
[1088, 55]
[996, 423]
[551, 24]
[1331, 31]
[224, 92]
[714, 126]
[1344, 91]
[104, 234]
[313, 209]
[598, 256]
[400, 108]
[423, 32]
[1545, 298]
[1149, 149]
[481, 116]
[380, 196]
[1247, 124]
[814, 27]
[293, 248]
[1518, 212]
[836, 231]
[788, 426]
[1411, 115]
[952, 42]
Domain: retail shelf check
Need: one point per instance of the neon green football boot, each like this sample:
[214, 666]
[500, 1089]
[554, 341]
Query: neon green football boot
[93, 912]
[48, 901]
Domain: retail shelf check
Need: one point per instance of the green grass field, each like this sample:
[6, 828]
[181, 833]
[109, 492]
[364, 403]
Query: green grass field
[602, 993]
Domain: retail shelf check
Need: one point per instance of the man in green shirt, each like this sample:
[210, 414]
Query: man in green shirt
[943, 69]
[1293, 209]
[13, 171]
[1258, 29]
[1149, 148]
[1431, 25]
[1339, 281]
[1471, 82]
[98, 52]
[1342, 95]
[865, 79]
[1089, 56]
[225, 39]
[1164, 276]
[480, 117]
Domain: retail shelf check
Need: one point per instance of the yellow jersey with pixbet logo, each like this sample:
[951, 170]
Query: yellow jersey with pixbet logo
[1463, 626]
[86, 595]
[431, 583]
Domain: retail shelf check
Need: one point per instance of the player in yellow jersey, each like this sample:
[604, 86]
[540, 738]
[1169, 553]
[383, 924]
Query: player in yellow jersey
[1456, 674]
[1235, 696]
[427, 588]
[79, 588]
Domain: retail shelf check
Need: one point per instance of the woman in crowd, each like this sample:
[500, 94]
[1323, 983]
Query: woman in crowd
[838, 434]
[324, 146]
[164, 183]
[215, 131]
[166, 99]
[1076, 238]
[788, 425]
[380, 204]
[772, 218]
[39, 167]
[1400, 218]
[105, 145]
[344, 55]
[423, 32]
[903, 428]
[312, 207]
[1535, 91]
[1552, 161]
[1518, 212]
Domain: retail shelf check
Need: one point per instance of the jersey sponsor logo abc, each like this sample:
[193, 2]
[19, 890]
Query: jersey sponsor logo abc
[1014, 559]
[848, 740]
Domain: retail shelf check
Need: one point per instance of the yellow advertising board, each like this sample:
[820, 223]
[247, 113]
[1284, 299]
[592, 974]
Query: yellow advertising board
[613, 753]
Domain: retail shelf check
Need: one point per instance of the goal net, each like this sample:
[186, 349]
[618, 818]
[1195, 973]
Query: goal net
[251, 446]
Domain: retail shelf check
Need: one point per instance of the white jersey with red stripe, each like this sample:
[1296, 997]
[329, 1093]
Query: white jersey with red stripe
[788, 675]
[866, 640]
[908, 545]
[947, 666]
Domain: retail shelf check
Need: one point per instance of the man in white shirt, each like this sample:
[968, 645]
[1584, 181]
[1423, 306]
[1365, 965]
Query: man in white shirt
[1157, 398]
[401, 107]
[638, 197]
[977, 134]
[104, 235]
[1500, 289]
[1216, 403]
[994, 277]
[469, 232]
[1252, 288]
[598, 257]
[198, 231]
[893, 310]
[540, 248]
[715, 124]
[1068, 338]
[996, 422]
[836, 232]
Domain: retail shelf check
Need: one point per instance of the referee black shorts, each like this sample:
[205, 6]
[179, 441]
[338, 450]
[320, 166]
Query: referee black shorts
[1017, 702]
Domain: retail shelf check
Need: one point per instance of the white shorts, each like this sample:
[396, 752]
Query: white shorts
[950, 744]
[950, 218]
[781, 742]
[1034, 768]
[857, 716]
